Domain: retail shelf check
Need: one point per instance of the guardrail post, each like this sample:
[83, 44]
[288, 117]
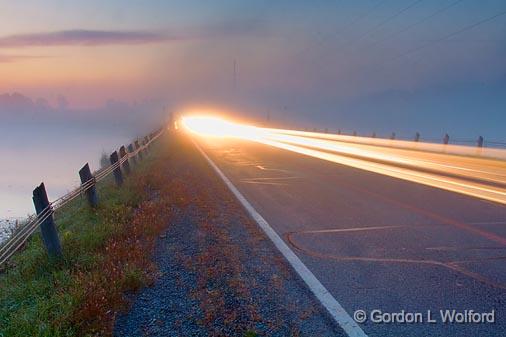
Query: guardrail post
[146, 143]
[417, 137]
[143, 149]
[126, 164]
[131, 150]
[392, 136]
[91, 191]
[446, 139]
[373, 135]
[118, 177]
[137, 146]
[47, 227]
[480, 141]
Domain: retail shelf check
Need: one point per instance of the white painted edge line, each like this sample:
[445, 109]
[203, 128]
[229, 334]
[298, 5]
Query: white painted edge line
[335, 309]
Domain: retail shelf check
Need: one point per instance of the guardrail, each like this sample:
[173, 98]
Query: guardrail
[45, 209]
[446, 139]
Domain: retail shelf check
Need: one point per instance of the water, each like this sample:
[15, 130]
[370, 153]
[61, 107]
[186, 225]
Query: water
[52, 154]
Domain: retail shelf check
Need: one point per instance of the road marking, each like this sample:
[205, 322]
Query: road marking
[273, 178]
[262, 183]
[340, 230]
[263, 168]
[334, 308]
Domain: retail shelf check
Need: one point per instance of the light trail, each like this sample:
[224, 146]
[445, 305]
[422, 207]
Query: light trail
[449, 167]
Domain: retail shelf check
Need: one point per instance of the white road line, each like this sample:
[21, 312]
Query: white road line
[335, 309]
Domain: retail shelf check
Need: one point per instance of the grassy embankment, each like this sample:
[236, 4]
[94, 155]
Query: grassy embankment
[106, 253]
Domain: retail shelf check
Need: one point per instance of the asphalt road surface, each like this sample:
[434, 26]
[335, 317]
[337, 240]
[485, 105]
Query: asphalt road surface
[377, 242]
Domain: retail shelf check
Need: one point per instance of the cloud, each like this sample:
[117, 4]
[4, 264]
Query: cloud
[86, 37]
[82, 37]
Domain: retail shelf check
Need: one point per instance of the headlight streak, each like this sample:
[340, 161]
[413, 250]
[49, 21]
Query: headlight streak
[401, 157]
[474, 176]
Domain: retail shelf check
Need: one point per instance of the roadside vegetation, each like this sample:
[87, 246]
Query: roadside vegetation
[107, 252]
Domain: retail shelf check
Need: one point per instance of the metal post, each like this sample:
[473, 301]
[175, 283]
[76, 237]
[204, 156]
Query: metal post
[131, 150]
[480, 141]
[91, 191]
[137, 147]
[446, 139]
[126, 164]
[417, 136]
[47, 227]
[118, 177]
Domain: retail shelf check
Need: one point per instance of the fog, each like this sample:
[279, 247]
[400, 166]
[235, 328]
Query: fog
[92, 76]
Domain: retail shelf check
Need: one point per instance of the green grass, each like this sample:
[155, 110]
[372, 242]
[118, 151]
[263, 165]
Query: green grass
[71, 296]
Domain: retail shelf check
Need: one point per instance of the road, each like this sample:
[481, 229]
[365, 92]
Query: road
[377, 242]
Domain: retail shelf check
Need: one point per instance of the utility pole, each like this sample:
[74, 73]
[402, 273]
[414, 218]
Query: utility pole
[235, 75]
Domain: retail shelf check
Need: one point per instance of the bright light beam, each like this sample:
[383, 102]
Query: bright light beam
[217, 127]
[475, 176]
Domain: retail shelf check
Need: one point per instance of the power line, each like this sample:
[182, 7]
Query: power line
[384, 22]
[425, 19]
[446, 37]
[346, 28]
[363, 16]
[382, 67]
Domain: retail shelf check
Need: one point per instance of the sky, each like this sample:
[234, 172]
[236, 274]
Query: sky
[369, 65]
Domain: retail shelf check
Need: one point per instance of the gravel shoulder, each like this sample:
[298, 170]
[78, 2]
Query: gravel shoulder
[218, 274]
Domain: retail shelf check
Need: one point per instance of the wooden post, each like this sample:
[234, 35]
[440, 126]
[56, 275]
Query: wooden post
[47, 227]
[480, 141]
[417, 136]
[126, 164]
[131, 150]
[392, 136]
[446, 139]
[137, 147]
[146, 142]
[118, 177]
[91, 192]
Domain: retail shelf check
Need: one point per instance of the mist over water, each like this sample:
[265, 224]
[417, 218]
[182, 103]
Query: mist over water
[49, 155]
[41, 143]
